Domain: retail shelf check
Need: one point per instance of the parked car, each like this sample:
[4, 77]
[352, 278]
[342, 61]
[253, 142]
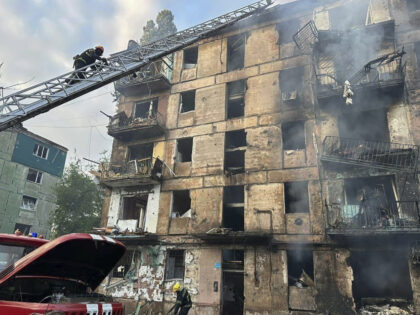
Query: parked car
[57, 277]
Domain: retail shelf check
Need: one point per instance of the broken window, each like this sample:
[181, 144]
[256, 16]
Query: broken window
[300, 268]
[293, 135]
[28, 203]
[124, 264]
[184, 150]
[146, 109]
[296, 197]
[142, 151]
[235, 147]
[190, 57]
[366, 125]
[181, 203]
[369, 202]
[380, 277]
[233, 207]
[417, 49]
[349, 15]
[175, 265]
[187, 101]
[134, 208]
[236, 52]
[40, 151]
[236, 98]
[24, 228]
[286, 30]
[291, 84]
[34, 176]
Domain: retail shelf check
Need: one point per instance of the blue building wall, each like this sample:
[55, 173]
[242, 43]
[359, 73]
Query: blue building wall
[23, 154]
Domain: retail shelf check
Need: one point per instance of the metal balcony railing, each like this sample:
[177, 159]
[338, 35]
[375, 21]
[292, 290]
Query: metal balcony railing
[376, 154]
[120, 121]
[146, 167]
[374, 215]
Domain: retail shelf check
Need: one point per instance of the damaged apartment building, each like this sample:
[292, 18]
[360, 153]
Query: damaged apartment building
[272, 167]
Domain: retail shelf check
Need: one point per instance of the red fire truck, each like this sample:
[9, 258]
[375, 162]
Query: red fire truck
[40, 277]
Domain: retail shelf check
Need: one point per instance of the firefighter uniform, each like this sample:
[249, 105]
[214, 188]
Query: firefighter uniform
[183, 302]
[88, 57]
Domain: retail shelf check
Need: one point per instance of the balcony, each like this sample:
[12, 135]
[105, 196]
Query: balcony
[126, 128]
[140, 172]
[374, 217]
[375, 154]
[155, 77]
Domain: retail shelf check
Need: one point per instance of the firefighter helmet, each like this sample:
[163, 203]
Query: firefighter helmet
[176, 287]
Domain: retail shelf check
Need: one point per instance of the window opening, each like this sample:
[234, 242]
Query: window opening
[349, 16]
[296, 197]
[24, 228]
[187, 101]
[236, 99]
[125, 264]
[34, 176]
[286, 30]
[233, 207]
[236, 52]
[142, 151]
[134, 208]
[146, 109]
[181, 203]
[291, 84]
[175, 265]
[28, 203]
[184, 150]
[366, 125]
[40, 151]
[190, 57]
[235, 147]
[293, 135]
[233, 259]
[300, 268]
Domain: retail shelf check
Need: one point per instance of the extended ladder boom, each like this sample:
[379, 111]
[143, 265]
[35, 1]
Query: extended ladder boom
[17, 107]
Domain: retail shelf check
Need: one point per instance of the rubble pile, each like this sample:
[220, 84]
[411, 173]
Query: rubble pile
[386, 310]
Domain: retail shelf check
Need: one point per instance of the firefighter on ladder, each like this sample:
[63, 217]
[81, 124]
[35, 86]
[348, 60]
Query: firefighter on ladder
[88, 57]
[183, 300]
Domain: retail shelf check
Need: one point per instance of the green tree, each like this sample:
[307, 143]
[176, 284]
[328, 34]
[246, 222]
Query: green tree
[163, 27]
[79, 202]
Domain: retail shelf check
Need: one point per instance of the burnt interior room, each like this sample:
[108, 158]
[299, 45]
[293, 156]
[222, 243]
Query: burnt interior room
[296, 197]
[187, 101]
[123, 265]
[364, 125]
[378, 275]
[236, 98]
[184, 150]
[290, 81]
[146, 109]
[236, 52]
[233, 282]
[181, 202]
[293, 134]
[132, 206]
[190, 57]
[235, 147]
[141, 151]
[300, 267]
[233, 207]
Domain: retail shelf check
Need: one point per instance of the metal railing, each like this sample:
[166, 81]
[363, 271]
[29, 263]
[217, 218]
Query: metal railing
[121, 121]
[374, 215]
[376, 154]
[141, 167]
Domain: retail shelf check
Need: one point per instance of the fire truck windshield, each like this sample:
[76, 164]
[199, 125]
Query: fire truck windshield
[12, 253]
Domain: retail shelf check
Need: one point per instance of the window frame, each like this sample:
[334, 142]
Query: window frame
[38, 177]
[183, 58]
[181, 103]
[169, 276]
[28, 198]
[37, 153]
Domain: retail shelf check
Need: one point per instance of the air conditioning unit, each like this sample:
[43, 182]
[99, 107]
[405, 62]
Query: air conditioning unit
[289, 97]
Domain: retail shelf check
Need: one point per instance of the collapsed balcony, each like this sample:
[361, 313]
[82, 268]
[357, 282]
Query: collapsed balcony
[374, 215]
[154, 77]
[147, 171]
[126, 128]
[375, 154]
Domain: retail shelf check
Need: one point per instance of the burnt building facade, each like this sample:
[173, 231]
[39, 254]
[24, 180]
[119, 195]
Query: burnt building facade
[271, 168]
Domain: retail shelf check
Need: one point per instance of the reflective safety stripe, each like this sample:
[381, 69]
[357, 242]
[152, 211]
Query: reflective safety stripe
[92, 309]
[96, 237]
[109, 239]
[106, 309]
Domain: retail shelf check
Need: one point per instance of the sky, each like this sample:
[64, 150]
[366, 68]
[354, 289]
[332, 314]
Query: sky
[40, 37]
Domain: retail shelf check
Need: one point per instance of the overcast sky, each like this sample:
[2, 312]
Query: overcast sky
[40, 37]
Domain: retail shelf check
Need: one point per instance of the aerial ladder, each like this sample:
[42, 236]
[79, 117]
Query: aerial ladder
[20, 106]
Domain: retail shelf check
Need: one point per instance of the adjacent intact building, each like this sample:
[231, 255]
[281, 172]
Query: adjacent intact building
[30, 167]
[272, 168]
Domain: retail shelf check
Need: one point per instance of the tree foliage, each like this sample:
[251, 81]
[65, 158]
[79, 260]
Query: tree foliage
[163, 27]
[79, 202]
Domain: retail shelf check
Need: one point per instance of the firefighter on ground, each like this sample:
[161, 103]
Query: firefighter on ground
[183, 300]
[88, 57]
